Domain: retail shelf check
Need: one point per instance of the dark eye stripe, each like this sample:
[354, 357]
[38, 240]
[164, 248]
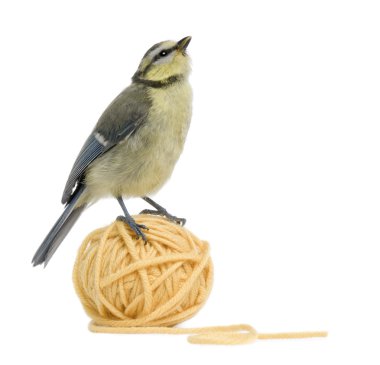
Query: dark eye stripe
[156, 57]
[151, 49]
[168, 51]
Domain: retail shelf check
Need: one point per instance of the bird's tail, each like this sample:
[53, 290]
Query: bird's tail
[60, 230]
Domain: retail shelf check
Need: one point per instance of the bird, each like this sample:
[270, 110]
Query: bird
[134, 146]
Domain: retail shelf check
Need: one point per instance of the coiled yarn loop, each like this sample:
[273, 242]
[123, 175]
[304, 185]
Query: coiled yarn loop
[129, 286]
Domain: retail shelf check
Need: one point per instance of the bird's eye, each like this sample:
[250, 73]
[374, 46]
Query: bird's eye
[163, 53]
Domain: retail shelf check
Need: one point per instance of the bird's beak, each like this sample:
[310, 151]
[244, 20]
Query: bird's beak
[183, 43]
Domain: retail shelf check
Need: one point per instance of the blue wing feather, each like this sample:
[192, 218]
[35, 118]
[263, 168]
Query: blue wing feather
[89, 152]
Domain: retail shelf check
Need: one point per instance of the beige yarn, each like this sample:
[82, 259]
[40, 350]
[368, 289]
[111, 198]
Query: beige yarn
[127, 286]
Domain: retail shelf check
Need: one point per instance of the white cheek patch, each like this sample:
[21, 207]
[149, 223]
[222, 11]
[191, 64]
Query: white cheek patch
[162, 47]
[169, 45]
[155, 52]
[165, 59]
[101, 139]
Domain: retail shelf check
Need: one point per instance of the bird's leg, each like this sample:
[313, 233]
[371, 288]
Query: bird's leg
[161, 211]
[126, 218]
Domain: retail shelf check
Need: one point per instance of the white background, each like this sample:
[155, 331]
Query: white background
[280, 172]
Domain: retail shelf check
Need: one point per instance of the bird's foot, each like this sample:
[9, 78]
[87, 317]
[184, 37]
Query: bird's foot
[164, 213]
[137, 228]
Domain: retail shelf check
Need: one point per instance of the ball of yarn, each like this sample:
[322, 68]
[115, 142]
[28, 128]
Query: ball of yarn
[124, 282]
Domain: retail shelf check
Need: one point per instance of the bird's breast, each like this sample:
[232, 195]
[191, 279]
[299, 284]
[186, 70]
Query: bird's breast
[169, 117]
[143, 162]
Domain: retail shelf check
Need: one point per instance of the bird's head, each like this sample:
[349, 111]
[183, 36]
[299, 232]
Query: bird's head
[164, 61]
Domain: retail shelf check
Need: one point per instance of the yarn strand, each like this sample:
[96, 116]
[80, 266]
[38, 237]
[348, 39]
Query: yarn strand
[128, 286]
[218, 335]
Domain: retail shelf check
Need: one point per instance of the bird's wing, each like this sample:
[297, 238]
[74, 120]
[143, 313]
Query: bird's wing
[119, 121]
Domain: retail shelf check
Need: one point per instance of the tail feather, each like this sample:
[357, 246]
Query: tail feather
[59, 231]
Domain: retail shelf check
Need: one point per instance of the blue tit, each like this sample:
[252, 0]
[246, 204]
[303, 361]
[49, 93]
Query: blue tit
[134, 146]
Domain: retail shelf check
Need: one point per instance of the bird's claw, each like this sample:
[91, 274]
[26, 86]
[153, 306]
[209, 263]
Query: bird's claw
[164, 213]
[179, 221]
[137, 228]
